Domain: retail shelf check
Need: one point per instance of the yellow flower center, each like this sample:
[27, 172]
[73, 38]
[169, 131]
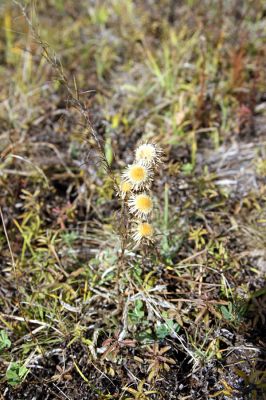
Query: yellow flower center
[137, 173]
[143, 203]
[125, 187]
[145, 229]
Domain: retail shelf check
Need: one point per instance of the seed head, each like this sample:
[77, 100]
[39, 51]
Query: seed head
[148, 154]
[141, 205]
[125, 188]
[137, 175]
[143, 230]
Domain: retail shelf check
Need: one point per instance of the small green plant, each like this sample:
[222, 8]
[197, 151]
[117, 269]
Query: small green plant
[234, 312]
[166, 328]
[140, 393]
[5, 343]
[228, 312]
[187, 168]
[197, 235]
[16, 373]
[137, 314]
[69, 238]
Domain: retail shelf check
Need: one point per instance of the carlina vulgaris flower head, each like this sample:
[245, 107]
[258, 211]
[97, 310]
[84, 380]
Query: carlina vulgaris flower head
[138, 175]
[125, 188]
[141, 205]
[143, 230]
[148, 154]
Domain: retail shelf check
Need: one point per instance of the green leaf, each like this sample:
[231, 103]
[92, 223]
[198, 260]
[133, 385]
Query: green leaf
[16, 373]
[187, 168]
[167, 328]
[5, 343]
[22, 371]
[145, 336]
[138, 313]
[227, 313]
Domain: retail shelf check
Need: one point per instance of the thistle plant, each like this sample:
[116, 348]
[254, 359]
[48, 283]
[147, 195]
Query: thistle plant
[135, 186]
[136, 194]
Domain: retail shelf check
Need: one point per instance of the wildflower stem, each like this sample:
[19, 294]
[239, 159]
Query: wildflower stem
[121, 260]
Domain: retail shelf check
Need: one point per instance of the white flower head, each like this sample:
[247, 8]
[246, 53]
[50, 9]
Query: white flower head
[148, 154]
[143, 230]
[125, 188]
[141, 205]
[138, 176]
